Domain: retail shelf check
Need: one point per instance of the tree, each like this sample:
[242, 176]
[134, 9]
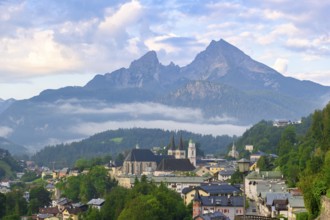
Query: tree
[2, 205]
[39, 197]
[115, 202]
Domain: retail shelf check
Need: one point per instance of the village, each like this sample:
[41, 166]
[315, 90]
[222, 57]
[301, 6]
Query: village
[204, 182]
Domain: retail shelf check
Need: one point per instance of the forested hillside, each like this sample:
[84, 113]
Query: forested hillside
[8, 165]
[304, 153]
[117, 141]
[306, 161]
[266, 138]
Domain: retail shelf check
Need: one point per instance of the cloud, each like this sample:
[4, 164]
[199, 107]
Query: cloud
[5, 131]
[148, 110]
[89, 128]
[281, 65]
[35, 52]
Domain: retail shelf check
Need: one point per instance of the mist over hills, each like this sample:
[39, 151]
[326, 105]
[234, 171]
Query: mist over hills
[221, 87]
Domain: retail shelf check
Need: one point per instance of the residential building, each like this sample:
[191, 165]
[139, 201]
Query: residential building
[230, 206]
[209, 189]
[203, 171]
[96, 203]
[225, 175]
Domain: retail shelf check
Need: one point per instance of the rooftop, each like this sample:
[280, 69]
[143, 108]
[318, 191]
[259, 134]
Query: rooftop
[171, 164]
[140, 155]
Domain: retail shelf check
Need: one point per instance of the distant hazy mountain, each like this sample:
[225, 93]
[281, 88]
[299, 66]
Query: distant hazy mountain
[4, 104]
[13, 148]
[221, 85]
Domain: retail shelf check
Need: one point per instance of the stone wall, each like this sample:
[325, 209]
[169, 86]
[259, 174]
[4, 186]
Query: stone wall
[325, 208]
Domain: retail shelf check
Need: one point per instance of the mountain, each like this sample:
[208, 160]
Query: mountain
[222, 85]
[13, 148]
[4, 104]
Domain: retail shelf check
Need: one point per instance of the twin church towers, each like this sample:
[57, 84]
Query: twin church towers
[180, 153]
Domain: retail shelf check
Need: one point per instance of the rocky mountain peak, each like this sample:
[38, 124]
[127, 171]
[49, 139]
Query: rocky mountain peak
[149, 59]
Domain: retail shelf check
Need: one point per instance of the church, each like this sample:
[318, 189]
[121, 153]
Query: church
[180, 153]
[140, 161]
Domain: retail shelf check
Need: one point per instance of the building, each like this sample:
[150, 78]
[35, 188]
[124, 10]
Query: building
[225, 175]
[295, 205]
[209, 189]
[233, 153]
[203, 171]
[230, 206]
[96, 203]
[257, 183]
[249, 148]
[139, 161]
[192, 152]
[172, 165]
[179, 152]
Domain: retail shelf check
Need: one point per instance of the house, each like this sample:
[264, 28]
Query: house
[255, 157]
[96, 203]
[224, 175]
[230, 206]
[63, 172]
[216, 168]
[61, 203]
[249, 148]
[50, 187]
[295, 205]
[272, 204]
[256, 182]
[71, 213]
[203, 171]
[220, 189]
[49, 212]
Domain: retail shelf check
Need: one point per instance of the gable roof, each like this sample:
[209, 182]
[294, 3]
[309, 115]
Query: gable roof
[226, 172]
[140, 155]
[172, 164]
[270, 197]
[220, 188]
[214, 189]
[97, 202]
[297, 201]
[233, 201]
[212, 216]
[49, 210]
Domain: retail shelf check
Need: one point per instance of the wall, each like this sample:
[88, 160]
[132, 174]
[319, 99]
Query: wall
[325, 208]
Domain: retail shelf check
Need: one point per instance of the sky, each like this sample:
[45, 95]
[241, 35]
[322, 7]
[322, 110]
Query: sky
[51, 44]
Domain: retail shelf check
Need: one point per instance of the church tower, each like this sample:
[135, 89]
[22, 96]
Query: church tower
[180, 153]
[233, 153]
[192, 152]
[171, 150]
